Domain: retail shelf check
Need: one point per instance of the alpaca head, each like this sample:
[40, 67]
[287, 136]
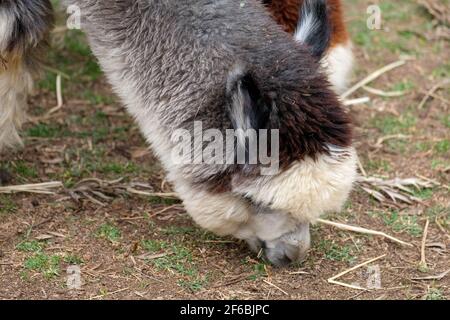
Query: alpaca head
[193, 73]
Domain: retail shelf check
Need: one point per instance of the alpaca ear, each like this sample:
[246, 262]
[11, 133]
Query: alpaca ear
[314, 27]
[248, 109]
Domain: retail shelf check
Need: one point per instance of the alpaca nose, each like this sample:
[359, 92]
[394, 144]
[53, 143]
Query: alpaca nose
[289, 248]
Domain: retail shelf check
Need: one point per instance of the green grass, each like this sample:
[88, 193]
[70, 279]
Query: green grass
[99, 129]
[424, 194]
[437, 164]
[395, 125]
[49, 266]
[98, 134]
[402, 223]
[96, 127]
[74, 59]
[117, 168]
[25, 170]
[7, 205]
[90, 162]
[109, 232]
[259, 270]
[378, 165]
[42, 130]
[392, 125]
[442, 147]
[193, 285]
[154, 245]
[441, 214]
[434, 294]
[180, 230]
[180, 261]
[445, 119]
[391, 11]
[336, 252]
[24, 275]
[96, 98]
[75, 42]
[443, 71]
[362, 36]
[437, 211]
[30, 246]
[22, 171]
[405, 85]
[48, 82]
[87, 164]
[373, 40]
[423, 267]
[423, 146]
[164, 201]
[73, 259]
[195, 234]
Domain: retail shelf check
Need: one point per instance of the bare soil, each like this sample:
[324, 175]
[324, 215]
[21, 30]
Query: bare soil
[137, 247]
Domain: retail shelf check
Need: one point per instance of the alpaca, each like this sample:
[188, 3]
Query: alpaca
[226, 65]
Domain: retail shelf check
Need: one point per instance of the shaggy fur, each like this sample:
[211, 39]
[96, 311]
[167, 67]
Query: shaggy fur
[176, 62]
[287, 14]
[24, 26]
[15, 84]
[314, 27]
[338, 60]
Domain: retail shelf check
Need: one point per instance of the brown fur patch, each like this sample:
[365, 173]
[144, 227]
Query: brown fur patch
[286, 13]
[308, 121]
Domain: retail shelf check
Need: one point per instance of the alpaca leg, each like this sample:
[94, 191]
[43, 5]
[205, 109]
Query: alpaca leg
[15, 85]
[24, 27]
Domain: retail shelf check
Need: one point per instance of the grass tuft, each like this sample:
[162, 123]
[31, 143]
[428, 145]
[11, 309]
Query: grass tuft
[49, 266]
[109, 232]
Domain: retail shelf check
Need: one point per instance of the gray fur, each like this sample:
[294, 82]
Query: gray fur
[186, 52]
[171, 62]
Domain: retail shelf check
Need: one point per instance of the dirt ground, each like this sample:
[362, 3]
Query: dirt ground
[128, 246]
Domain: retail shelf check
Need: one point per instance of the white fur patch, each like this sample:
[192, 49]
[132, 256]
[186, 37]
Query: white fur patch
[6, 28]
[339, 64]
[241, 120]
[228, 214]
[267, 226]
[308, 25]
[223, 214]
[309, 188]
